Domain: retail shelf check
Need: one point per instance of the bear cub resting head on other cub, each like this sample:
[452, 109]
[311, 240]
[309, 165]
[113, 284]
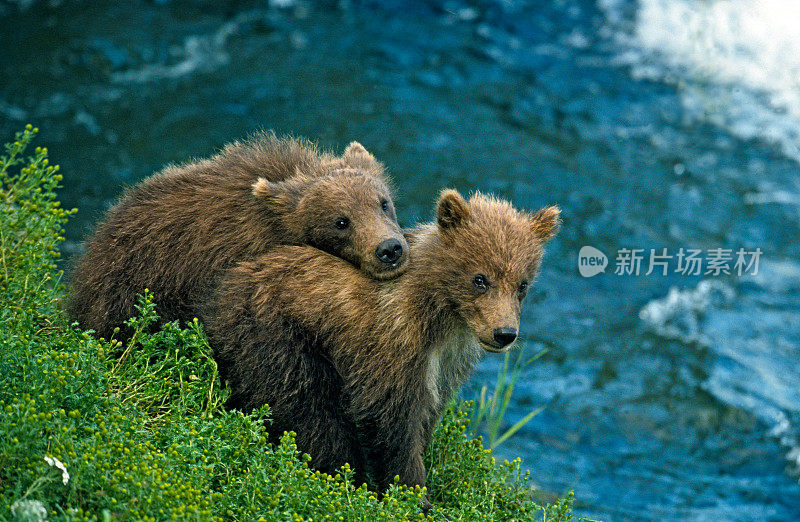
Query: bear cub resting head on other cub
[176, 232]
[361, 369]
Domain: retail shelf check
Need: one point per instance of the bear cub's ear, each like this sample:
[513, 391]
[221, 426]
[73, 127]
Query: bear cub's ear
[355, 150]
[357, 157]
[546, 222]
[262, 188]
[451, 211]
[287, 192]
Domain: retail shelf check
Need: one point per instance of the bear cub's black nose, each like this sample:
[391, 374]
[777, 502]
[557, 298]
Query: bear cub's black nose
[505, 336]
[389, 250]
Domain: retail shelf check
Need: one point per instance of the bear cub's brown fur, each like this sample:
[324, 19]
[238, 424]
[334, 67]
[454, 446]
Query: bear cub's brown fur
[175, 232]
[361, 370]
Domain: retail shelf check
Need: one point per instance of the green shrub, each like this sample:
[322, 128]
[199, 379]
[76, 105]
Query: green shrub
[91, 429]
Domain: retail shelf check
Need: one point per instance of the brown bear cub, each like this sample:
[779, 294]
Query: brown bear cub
[361, 370]
[177, 231]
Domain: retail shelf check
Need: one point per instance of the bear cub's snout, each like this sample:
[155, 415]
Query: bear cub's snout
[505, 336]
[389, 251]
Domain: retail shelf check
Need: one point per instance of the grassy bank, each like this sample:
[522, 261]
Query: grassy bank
[87, 434]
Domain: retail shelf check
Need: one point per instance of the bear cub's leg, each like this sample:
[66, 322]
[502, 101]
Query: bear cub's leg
[305, 394]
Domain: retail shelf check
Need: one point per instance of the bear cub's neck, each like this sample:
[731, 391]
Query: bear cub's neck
[446, 349]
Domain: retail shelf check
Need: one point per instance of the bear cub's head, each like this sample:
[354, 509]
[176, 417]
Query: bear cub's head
[346, 211]
[490, 253]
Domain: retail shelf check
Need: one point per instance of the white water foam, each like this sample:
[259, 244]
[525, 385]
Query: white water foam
[735, 63]
[755, 342]
[204, 53]
[679, 314]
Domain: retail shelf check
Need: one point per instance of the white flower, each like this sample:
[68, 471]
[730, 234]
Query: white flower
[60, 465]
[29, 510]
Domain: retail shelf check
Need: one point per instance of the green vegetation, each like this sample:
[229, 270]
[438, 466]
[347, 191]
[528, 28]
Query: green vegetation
[91, 429]
[488, 412]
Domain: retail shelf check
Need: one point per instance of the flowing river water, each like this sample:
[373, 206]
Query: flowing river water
[657, 125]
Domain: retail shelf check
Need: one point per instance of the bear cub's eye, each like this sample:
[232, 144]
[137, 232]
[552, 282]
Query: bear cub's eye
[341, 223]
[523, 289]
[385, 205]
[479, 281]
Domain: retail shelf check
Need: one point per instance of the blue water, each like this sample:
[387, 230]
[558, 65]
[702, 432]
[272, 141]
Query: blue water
[653, 123]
